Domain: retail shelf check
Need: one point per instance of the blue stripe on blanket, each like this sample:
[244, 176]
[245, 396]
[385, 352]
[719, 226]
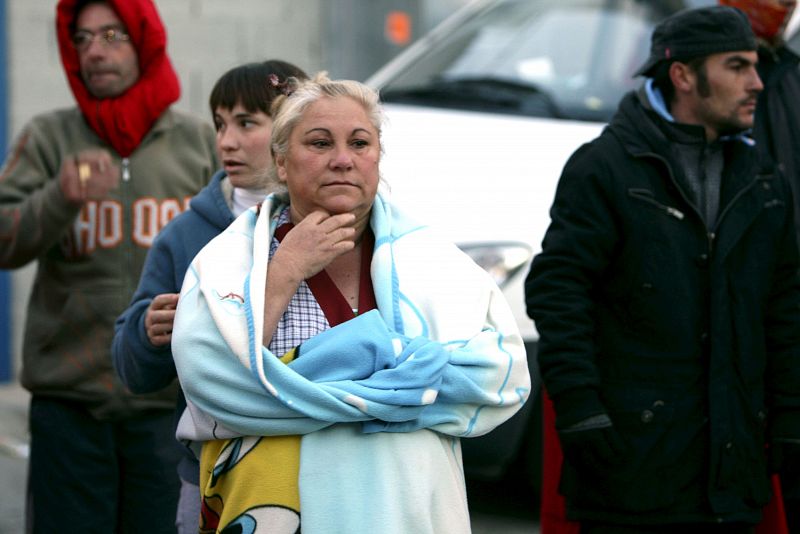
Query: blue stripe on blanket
[251, 331]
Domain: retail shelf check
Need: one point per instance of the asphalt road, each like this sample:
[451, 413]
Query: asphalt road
[494, 508]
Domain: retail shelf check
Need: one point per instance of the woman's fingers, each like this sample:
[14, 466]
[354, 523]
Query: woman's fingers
[316, 241]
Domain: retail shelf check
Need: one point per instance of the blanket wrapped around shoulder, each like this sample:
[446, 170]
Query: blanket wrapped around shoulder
[381, 400]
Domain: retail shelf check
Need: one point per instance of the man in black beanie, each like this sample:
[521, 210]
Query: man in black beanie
[667, 297]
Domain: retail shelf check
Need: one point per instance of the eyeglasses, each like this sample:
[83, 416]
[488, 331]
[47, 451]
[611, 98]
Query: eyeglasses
[82, 39]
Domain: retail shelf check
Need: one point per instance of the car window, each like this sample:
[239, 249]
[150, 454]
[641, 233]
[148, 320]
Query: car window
[569, 59]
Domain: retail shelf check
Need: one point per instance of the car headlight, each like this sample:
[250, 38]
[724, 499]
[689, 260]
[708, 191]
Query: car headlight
[501, 260]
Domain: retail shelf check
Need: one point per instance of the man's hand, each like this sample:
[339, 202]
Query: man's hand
[592, 443]
[89, 175]
[159, 319]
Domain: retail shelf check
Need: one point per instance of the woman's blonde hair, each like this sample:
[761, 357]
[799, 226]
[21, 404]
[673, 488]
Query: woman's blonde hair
[287, 111]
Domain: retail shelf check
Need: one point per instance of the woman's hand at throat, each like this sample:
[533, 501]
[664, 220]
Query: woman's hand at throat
[314, 243]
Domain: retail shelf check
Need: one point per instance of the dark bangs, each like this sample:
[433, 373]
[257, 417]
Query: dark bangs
[249, 86]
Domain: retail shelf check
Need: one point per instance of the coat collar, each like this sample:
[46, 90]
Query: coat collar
[644, 133]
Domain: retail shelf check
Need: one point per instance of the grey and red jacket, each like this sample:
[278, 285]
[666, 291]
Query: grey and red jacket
[90, 256]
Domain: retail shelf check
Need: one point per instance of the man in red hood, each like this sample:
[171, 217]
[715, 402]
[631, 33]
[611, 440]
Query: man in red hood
[777, 134]
[84, 192]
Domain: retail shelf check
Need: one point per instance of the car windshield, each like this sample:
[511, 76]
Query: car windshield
[569, 59]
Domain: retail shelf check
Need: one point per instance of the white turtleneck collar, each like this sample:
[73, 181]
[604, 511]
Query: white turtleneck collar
[243, 199]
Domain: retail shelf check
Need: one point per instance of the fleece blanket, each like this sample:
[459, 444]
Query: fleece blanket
[381, 400]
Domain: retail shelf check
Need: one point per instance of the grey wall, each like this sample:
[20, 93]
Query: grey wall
[206, 38]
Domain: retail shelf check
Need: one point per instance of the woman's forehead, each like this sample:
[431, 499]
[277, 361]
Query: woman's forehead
[336, 113]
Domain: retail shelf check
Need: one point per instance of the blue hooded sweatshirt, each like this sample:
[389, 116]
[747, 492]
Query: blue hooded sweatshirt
[142, 366]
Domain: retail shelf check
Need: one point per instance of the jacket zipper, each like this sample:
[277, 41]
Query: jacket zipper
[641, 195]
[126, 170]
[711, 236]
[128, 204]
[674, 182]
[733, 201]
[710, 233]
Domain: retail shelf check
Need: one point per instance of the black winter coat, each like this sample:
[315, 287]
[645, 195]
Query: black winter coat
[687, 337]
[777, 127]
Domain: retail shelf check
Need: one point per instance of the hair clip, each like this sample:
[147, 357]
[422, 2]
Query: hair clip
[284, 87]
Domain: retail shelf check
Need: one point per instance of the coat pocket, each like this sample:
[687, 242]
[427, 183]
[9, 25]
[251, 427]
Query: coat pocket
[644, 481]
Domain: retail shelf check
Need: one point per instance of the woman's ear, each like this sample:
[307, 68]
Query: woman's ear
[280, 167]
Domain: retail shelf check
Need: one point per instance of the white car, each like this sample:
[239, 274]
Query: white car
[483, 112]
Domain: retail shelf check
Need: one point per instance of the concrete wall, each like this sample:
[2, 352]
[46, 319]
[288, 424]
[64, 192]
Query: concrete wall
[206, 38]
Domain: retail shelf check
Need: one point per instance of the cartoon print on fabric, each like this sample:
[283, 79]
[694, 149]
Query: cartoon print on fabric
[232, 296]
[265, 519]
[233, 452]
[210, 511]
[250, 483]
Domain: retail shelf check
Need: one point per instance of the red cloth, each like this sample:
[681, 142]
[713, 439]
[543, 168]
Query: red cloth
[553, 514]
[774, 518]
[766, 18]
[124, 120]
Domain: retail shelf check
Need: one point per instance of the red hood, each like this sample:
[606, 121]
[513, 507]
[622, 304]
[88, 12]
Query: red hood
[124, 120]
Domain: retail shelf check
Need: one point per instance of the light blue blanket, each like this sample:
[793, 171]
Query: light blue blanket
[441, 356]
